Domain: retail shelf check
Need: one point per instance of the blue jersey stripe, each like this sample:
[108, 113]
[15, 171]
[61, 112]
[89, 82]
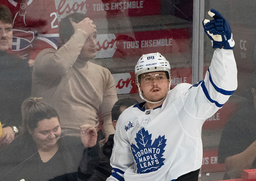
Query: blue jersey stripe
[222, 91]
[118, 177]
[219, 90]
[118, 170]
[208, 96]
[116, 174]
[206, 93]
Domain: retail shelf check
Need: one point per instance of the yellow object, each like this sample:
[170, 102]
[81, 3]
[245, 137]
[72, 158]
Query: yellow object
[1, 130]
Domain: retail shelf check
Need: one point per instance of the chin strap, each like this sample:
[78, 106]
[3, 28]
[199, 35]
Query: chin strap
[151, 102]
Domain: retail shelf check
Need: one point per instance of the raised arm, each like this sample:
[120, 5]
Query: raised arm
[220, 80]
[50, 62]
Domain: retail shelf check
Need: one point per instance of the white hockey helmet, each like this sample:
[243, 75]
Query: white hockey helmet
[152, 62]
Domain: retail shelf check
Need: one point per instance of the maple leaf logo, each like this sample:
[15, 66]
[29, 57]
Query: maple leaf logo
[148, 156]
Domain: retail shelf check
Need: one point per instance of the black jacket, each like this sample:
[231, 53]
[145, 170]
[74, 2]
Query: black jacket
[95, 165]
[15, 87]
[21, 160]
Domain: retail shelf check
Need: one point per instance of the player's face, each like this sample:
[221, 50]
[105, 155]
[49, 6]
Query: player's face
[5, 36]
[90, 47]
[47, 133]
[154, 86]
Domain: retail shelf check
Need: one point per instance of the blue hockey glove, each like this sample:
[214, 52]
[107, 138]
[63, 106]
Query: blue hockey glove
[219, 31]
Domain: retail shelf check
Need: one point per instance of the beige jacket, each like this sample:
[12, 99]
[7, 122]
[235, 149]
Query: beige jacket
[81, 92]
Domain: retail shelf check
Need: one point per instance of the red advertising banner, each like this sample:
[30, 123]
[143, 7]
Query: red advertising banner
[219, 119]
[108, 8]
[125, 83]
[181, 75]
[122, 45]
[210, 162]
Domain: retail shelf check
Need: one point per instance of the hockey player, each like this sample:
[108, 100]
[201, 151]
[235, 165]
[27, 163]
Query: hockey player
[160, 139]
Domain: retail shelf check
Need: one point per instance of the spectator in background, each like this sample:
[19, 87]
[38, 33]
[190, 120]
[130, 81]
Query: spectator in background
[95, 165]
[35, 27]
[238, 141]
[41, 153]
[15, 81]
[81, 91]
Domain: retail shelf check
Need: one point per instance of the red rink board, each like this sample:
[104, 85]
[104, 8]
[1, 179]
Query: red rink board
[210, 162]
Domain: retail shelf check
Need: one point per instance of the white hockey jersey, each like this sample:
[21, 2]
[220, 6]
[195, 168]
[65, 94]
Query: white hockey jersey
[164, 143]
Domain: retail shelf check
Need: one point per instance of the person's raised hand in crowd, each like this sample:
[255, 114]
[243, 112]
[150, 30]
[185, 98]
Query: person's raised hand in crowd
[86, 25]
[31, 62]
[88, 135]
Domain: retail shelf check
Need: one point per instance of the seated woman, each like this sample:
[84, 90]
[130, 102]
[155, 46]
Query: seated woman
[40, 153]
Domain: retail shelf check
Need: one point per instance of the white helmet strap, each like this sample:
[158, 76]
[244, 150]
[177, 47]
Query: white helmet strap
[151, 102]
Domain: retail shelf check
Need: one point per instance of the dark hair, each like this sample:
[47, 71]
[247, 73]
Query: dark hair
[127, 102]
[33, 110]
[5, 14]
[65, 27]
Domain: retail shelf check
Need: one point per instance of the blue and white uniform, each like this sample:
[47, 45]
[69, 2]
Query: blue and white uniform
[165, 143]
